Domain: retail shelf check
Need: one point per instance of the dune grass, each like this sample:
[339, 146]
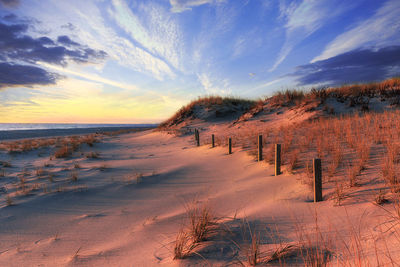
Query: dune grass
[74, 176]
[351, 147]
[199, 225]
[92, 155]
[63, 152]
[354, 95]
[73, 143]
[217, 102]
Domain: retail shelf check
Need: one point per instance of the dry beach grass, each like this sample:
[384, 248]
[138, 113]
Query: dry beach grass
[359, 149]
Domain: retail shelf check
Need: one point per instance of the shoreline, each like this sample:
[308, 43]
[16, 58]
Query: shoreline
[45, 133]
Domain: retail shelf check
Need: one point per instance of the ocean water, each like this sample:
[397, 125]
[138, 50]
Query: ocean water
[50, 126]
[34, 130]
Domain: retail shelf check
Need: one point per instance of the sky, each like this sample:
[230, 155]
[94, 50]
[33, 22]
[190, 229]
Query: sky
[132, 61]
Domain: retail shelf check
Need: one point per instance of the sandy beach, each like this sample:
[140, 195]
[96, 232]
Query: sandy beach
[126, 206]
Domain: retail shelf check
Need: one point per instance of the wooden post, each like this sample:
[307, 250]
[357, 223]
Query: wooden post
[260, 148]
[230, 145]
[317, 180]
[212, 140]
[197, 138]
[277, 159]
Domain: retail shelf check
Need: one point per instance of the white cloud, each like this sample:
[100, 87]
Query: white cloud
[91, 77]
[239, 47]
[153, 27]
[214, 86]
[184, 5]
[205, 82]
[95, 30]
[383, 28]
[124, 51]
[214, 26]
[265, 85]
[304, 19]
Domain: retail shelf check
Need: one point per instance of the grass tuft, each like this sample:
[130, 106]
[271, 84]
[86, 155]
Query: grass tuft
[74, 176]
[184, 245]
[9, 201]
[93, 155]
[63, 152]
[201, 224]
[380, 198]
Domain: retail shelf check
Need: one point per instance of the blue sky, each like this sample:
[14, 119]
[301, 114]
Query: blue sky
[126, 61]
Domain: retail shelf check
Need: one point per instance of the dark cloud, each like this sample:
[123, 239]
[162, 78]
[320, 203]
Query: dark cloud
[9, 3]
[46, 41]
[10, 17]
[63, 39]
[69, 26]
[20, 52]
[362, 65]
[30, 22]
[21, 75]
[16, 45]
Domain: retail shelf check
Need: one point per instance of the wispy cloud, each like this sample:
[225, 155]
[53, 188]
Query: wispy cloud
[214, 86]
[382, 29]
[246, 43]
[214, 29]
[90, 77]
[239, 46]
[155, 30]
[184, 5]
[304, 19]
[96, 29]
[268, 84]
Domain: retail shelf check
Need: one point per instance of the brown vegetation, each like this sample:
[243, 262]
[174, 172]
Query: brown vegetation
[351, 147]
[348, 145]
[354, 94]
[219, 106]
[200, 225]
[92, 155]
[74, 176]
[63, 152]
[73, 142]
[357, 95]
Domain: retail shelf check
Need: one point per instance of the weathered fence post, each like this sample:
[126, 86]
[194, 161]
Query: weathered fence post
[317, 180]
[212, 140]
[260, 148]
[277, 159]
[197, 138]
[230, 145]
